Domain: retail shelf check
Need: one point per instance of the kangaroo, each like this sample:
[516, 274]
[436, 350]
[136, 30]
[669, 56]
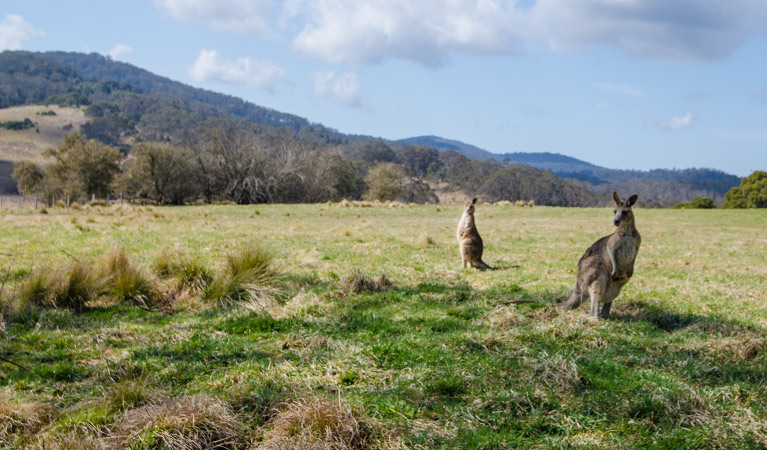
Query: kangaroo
[469, 241]
[609, 263]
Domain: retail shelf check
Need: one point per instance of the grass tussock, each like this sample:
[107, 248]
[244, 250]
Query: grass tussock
[70, 287]
[126, 280]
[558, 373]
[21, 419]
[323, 425]
[191, 422]
[248, 278]
[74, 286]
[357, 282]
[188, 271]
[129, 393]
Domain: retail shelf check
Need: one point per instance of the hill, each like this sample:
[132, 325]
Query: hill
[658, 187]
[122, 104]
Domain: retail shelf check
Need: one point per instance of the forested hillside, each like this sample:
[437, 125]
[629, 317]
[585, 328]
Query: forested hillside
[125, 106]
[659, 187]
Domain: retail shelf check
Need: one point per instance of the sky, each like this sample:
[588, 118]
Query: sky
[627, 84]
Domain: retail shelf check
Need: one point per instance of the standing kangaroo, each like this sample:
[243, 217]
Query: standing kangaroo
[469, 241]
[609, 263]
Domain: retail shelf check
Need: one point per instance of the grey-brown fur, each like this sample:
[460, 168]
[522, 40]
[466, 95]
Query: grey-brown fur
[469, 242]
[609, 263]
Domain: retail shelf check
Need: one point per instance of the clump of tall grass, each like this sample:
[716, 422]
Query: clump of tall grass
[70, 286]
[18, 419]
[73, 286]
[357, 282]
[127, 281]
[189, 422]
[187, 270]
[559, 373]
[248, 278]
[323, 425]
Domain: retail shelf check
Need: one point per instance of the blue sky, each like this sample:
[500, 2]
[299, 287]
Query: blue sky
[632, 84]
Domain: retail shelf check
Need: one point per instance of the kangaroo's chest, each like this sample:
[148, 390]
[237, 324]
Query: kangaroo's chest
[625, 252]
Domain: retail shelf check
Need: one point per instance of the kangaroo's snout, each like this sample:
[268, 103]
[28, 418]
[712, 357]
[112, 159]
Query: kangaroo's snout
[618, 217]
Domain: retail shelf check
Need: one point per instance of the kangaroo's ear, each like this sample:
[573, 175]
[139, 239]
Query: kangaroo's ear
[474, 201]
[617, 198]
[632, 200]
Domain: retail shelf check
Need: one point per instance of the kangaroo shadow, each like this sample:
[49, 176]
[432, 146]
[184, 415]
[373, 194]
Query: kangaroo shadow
[668, 321]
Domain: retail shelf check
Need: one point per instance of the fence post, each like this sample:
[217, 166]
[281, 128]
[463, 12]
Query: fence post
[93, 198]
[121, 198]
[67, 200]
[35, 202]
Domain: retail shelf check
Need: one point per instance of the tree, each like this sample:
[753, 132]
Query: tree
[418, 160]
[385, 182]
[752, 192]
[161, 173]
[28, 176]
[81, 167]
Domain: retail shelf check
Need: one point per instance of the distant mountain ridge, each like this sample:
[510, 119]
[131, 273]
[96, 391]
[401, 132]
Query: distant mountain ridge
[541, 160]
[663, 187]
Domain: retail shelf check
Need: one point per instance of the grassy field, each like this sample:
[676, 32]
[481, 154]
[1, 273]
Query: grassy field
[371, 336]
[28, 145]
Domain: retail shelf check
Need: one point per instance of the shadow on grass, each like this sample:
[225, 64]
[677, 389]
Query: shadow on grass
[667, 321]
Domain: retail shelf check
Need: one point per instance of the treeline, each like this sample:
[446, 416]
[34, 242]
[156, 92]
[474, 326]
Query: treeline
[227, 165]
[248, 164]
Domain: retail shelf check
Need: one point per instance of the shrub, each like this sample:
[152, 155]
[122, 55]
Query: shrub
[697, 203]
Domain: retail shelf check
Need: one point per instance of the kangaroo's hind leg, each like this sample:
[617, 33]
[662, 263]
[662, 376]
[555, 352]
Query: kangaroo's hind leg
[596, 292]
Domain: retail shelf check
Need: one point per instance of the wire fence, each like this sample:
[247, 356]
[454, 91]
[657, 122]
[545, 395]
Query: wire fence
[35, 202]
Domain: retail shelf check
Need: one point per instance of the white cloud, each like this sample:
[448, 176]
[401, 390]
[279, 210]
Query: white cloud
[246, 71]
[691, 30]
[14, 31]
[618, 88]
[120, 50]
[676, 123]
[244, 16]
[426, 31]
[343, 88]
[430, 32]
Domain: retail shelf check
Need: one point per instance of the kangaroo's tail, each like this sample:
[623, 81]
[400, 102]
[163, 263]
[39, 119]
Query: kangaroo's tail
[575, 299]
[479, 264]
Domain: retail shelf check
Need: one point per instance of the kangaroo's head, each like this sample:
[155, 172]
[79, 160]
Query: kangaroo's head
[623, 212]
[468, 206]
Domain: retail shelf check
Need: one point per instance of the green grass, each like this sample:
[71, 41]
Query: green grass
[435, 357]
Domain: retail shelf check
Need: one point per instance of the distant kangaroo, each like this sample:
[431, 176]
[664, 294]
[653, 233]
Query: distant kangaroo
[609, 263]
[469, 241]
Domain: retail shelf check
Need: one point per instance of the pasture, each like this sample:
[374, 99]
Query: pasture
[375, 338]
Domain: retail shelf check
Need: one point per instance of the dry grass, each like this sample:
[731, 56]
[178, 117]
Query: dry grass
[28, 145]
[126, 280]
[17, 419]
[357, 282]
[190, 423]
[319, 424]
[558, 373]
